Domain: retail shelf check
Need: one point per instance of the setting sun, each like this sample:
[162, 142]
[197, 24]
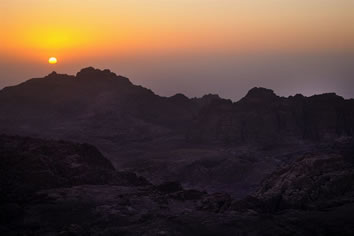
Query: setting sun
[52, 60]
[177, 117]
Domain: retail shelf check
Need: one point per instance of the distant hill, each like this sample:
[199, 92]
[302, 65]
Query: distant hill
[97, 101]
[262, 117]
[110, 106]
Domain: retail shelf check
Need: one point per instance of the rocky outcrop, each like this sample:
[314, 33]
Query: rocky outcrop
[315, 180]
[28, 165]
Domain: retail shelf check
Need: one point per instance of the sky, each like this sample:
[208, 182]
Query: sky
[189, 46]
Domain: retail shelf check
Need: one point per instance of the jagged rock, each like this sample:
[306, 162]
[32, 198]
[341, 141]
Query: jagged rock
[315, 180]
[259, 95]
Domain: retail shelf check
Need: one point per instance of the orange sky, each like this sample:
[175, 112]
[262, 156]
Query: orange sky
[37, 29]
[157, 42]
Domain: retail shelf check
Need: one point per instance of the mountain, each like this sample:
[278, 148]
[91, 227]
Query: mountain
[135, 163]
[111, 106]
[199, 142]
[263, 118]
[91, 95]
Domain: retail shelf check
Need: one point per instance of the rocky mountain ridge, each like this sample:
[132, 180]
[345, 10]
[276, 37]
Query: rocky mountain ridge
[198, 141]
[261, 117]
[175, 165]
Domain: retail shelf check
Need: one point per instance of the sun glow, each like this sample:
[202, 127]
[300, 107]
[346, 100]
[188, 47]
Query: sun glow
[72, 30]
[52, 60]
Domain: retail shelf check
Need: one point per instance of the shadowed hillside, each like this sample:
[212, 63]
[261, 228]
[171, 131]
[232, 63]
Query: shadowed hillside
[63, 188]
[198, 142]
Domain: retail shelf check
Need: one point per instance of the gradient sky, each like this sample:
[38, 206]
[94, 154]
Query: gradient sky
[189, 46]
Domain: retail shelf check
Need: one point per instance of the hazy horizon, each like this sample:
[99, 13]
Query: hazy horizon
[231, 78]
[193, 47]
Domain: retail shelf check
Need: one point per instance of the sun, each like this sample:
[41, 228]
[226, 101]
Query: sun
[52, 60]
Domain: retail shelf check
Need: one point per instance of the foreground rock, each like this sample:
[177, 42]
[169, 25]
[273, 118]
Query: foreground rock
[28, 165]
[315, 180]
[311, 196]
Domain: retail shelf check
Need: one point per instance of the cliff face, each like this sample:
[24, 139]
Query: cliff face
[264, 118]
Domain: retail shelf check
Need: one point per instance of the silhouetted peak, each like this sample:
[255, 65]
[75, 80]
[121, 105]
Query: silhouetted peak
[258, 94]
[97, 75]
[326, 98]
[211, 97]
[299, 96]
[208, 99]
[55, 75]
[92, 73]
[180, 96]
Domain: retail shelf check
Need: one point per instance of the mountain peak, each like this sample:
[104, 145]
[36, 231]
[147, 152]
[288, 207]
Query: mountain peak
[180, 96]
[259, 94]
[259, 91]
[52, 75]
[55, 75]
[93, 73]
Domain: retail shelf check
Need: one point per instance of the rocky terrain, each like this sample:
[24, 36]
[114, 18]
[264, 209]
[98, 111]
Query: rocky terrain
[314, 180]
[198, 142]
[28, 165]
[63, 188]
[135, 163]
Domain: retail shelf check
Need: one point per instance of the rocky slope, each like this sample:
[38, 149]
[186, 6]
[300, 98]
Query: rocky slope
[199, 142]
[78, 193]
[315, 180]
[28, 165]
[280, 152]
